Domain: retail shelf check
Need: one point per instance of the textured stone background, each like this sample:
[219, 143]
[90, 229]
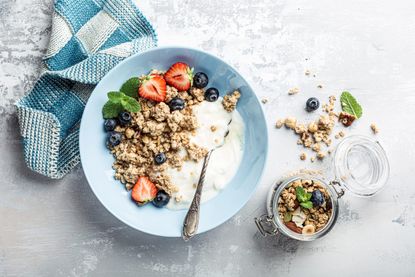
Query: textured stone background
[58, 228]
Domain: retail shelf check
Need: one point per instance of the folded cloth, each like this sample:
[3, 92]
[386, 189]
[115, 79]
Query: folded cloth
[88, 38]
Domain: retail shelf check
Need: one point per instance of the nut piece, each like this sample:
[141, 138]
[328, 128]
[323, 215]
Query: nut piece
[320, 155]
[374, 128]
[279, 123]
[308, 230]
[346, 119]
[316, 147]
[293, 91]
[213, 128]
[312, 127]
[290, 122]
[303, 156]
[264, 101]
[291, 225]
[129, 133]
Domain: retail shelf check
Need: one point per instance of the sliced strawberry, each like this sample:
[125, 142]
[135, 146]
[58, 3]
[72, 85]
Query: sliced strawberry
[180, 76]
[153, 87]
[143, 191]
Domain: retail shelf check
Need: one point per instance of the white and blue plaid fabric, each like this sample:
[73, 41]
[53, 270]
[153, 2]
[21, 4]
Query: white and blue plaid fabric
[89, 37]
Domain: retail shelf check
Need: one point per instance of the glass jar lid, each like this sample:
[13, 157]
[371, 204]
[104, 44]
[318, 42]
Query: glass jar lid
[361, 165]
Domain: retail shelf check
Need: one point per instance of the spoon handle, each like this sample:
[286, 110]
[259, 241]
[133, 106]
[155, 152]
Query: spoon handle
[191, 221]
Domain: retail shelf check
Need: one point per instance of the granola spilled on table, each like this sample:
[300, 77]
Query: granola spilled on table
[318, 134]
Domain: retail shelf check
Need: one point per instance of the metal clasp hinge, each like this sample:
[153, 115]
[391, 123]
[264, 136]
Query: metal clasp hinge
[339, 191]
[266, 225]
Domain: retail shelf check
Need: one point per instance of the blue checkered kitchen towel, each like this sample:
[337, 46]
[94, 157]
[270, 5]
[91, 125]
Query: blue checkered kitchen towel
[89, 37]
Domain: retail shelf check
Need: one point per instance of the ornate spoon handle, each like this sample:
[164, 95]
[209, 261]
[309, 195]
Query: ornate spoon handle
[191, 221]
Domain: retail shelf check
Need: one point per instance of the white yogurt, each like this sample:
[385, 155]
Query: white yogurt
[224, 161]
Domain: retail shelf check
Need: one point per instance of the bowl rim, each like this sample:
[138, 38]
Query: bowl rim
[262, 113]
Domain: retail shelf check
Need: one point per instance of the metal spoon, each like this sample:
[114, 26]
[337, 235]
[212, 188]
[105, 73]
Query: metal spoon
[191, 221]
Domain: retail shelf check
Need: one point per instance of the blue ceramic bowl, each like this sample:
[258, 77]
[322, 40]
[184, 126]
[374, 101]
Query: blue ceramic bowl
[97, 161]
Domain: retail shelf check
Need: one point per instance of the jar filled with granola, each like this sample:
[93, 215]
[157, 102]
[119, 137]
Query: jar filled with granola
[305, 207]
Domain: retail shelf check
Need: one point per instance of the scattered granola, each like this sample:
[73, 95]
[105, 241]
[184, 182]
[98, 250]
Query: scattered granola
[290, 122]
[374, 128]
[304, 206]
[293, 91]
[346, 119]
[279, 123]
[303, 156]
[319, 86]
[264, 100]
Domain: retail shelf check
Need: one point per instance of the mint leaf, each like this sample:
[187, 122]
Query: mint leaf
[308, 196]
[287, 217]
[130, 87]
[130, 104]
[307, 205]
[301, 194]
[350, 105]
[115, 96]
[111, 109]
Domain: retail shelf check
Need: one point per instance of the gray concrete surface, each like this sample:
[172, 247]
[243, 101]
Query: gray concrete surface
[58, 228]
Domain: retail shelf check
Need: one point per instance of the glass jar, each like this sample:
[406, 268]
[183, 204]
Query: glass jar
[360, 166]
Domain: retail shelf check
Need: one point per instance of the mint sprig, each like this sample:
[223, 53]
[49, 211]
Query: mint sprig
[130, 87]
[118, 102]
[350, 105]
[303, 197]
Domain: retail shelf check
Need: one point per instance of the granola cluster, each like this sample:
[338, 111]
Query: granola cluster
[300, 219]
[230, 100]
[156, 129]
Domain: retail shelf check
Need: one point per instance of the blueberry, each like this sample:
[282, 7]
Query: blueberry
[200, 80]
[160, 158]
[317, 198]
[114, 138]
[110, 124]
[211, 94]
[124, 118]
[176, 104]
[161, 200]
[312, 104]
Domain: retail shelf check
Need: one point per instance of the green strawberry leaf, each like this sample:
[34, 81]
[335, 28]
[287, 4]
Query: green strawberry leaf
[130, 104]
[115, 96]
[350, 105]
[130, 87]
[307, 204]
[111, 109]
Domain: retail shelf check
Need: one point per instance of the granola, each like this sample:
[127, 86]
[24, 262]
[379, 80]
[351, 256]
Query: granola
[156, 138]
[300, 218]
[230, 100]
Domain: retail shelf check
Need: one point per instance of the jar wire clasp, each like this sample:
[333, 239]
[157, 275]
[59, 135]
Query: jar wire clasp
[266, 225]
[339, 191]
